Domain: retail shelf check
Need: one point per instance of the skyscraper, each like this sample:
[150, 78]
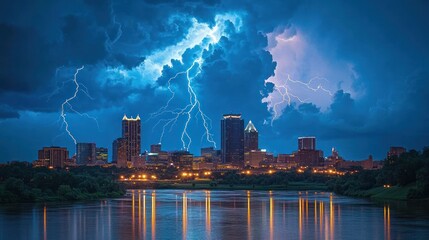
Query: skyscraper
[131, 129]
[250, 138]
[307, 143]
[85, 153]
[232, 139]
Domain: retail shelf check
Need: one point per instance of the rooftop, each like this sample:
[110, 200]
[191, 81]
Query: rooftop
[125, 118]
[250, 127]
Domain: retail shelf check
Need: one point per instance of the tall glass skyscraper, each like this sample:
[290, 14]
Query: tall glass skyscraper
[232, 139]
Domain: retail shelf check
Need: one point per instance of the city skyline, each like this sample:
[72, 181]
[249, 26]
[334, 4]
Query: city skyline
[70, 70]
[239, 148]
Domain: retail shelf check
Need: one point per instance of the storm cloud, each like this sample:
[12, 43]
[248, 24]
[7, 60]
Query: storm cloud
[361, 66]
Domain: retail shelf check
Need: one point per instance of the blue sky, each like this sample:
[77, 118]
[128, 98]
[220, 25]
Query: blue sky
[354, 74]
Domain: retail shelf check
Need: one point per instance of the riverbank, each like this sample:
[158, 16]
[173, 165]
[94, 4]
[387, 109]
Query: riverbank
[395, 193]
[204, 185]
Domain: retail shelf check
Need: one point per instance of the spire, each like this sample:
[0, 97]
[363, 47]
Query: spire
[250, 127]
[138, 117]
[125, 117]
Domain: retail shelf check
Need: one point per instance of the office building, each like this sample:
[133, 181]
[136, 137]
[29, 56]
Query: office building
[155, 148]
[211, 155]
[53, 156]
[85, 153]
[232, 140]
[101, 154]
[182, 159]
[131, 131]
[119, 156]
[250, 138]
[307, 143]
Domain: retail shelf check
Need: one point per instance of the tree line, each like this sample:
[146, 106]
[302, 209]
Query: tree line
[410, 169]
[20, 182]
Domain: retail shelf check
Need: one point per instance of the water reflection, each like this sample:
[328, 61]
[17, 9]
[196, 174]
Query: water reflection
[208, 212]
[210, 215]
[45, 233]
[271, 216]
[386, 221]
[249, 225]
[153, 222]
[184, 215]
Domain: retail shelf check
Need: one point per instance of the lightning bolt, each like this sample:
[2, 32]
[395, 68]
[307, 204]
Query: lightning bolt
[193, 107]
[109, 42]
[201, 37]
[79, 87]
[287, 94]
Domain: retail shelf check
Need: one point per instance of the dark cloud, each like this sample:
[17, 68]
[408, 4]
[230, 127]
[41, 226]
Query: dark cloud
[7, 112]
[25, 59]
[77, 51]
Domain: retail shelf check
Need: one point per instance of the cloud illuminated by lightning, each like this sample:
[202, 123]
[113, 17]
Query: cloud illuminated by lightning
[296, 58]
[287, 94]
[200, 35]
[193, 107]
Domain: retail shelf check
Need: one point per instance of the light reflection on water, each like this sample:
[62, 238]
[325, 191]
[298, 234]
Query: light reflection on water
[173, 214]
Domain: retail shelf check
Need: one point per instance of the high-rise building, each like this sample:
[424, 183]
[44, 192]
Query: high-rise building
[307, 143]
[250, 138]
[85, 153]
[232, 139]
[131, 131]
[119, 152]
[53, 156]
[101, 154]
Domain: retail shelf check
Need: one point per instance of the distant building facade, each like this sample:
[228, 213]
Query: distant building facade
[366, 164]
[211, 155]
[119, 152]
[254, 158]
[52, 157]
[101, 154]
[232, 139]
[155, 148]
[85, 153]
[396, 151]
[307, 143]
[250, 138]
[182, 159]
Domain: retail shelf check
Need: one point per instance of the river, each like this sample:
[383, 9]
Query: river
[199, 214]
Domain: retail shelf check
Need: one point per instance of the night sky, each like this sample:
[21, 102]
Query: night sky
[354, 74]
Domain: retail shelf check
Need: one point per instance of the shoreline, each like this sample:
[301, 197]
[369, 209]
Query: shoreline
[292, 186]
